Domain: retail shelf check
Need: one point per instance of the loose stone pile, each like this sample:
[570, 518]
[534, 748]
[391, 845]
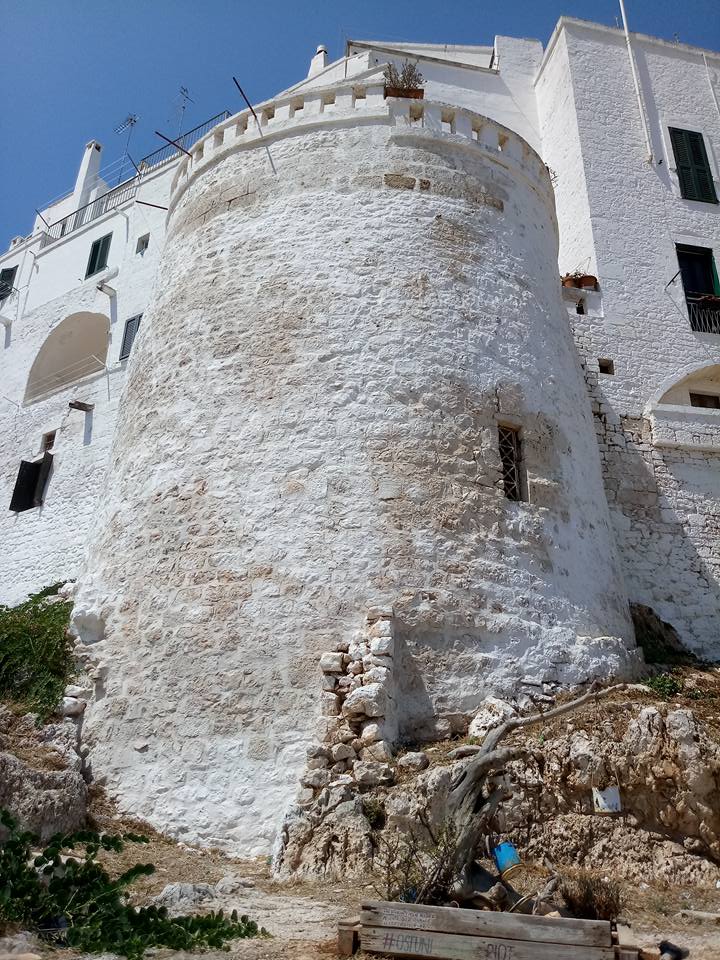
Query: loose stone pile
[359, 705]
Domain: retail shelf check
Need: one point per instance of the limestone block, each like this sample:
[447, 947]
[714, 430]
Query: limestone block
[414, 761]
[370, 774]
[342, 751]
[371, 732]
[342, 646]
[492, 713]
[315, 750]
[378, 611]
[376, 675]
[369, 701]
[355, 667]
[329, 682]
[381, 628]
[315, 778]
[340, 767]
[382, 646]
[329, 705]
[380, 751]
[331, 662]
[318, 763]
[71, 707]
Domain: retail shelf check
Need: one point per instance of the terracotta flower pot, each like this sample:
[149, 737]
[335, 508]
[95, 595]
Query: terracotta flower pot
[416, 94]
[585, 281]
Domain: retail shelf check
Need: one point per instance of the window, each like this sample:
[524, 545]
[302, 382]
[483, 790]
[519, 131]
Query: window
[31, 482]
[708, 400]
[98, 255]
[513, 476]
[131, 328]
[7, 278]
[143, 243]
[48, 441]
[702, 289]
[693, 168]
[606, 366]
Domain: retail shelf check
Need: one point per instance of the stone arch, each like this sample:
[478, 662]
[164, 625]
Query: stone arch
[674, 391]
[76, 348]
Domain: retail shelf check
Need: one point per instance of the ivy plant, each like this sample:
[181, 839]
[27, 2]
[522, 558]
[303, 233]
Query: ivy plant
[36, 658]
[66, 896]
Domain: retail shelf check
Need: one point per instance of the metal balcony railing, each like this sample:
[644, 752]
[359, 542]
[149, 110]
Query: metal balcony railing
[91, 211]
[40, 387]
[153, 160]
[704, 313]
[126, 191]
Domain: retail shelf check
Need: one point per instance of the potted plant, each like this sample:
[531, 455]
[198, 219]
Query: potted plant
[579, 279]
[404, 83]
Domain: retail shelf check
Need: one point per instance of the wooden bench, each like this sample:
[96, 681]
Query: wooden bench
[445, 933]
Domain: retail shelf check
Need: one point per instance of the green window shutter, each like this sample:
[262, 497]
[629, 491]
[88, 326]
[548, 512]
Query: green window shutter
[131, 328]
[98, 255]
[7, 279]
[693, 168]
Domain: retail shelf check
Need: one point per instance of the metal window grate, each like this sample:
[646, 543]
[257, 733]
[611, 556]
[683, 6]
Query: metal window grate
[511, 460]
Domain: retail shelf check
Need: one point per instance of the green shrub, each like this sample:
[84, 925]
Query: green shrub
[73, 901]
[36, 658]
[665, 685]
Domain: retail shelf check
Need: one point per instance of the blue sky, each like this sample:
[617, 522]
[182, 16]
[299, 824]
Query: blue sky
[71, 70]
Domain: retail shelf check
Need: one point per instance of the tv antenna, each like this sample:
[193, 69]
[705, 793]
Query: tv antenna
[185, 98]
[127, 124]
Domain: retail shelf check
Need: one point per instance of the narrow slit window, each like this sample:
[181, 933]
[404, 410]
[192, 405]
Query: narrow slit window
[131, 329]
[511, 460]
[606, 366]
[48, 441]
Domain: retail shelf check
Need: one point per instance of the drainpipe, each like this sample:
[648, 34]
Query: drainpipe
[636, 82]
[712, 88]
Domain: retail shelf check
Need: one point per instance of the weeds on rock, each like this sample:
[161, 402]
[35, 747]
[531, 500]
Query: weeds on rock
[418, 867]
[593, 898]
[374, 811]
[69, 898]
[36, 659]
[665, 685]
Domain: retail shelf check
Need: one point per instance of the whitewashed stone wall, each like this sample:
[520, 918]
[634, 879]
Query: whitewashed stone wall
[323, 434]
[620, 218]
[46, 545]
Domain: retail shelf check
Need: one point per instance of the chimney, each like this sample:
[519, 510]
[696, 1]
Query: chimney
[87, 177]
[319, 61]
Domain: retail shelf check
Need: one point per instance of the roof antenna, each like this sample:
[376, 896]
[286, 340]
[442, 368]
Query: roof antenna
[185, 98]
[128, 124]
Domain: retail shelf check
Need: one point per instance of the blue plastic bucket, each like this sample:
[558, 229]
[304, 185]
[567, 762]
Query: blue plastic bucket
[506, 858]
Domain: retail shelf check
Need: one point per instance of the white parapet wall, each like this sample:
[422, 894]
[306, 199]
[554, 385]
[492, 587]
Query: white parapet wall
[351, 300]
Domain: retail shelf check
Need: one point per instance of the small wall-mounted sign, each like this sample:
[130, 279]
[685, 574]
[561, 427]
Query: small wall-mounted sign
[607, 801]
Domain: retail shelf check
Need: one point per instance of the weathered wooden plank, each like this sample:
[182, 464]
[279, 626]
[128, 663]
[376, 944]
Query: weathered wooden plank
[348, 936]
[396, 942]
[508, 926]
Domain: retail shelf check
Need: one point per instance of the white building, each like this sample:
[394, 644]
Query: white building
[359, 381]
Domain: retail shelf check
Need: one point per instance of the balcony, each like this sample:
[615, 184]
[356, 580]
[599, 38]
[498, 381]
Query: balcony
[126, 191]
[704, 312]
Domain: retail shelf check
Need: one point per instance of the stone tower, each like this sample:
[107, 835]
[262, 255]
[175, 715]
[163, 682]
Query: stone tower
[355, 295]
